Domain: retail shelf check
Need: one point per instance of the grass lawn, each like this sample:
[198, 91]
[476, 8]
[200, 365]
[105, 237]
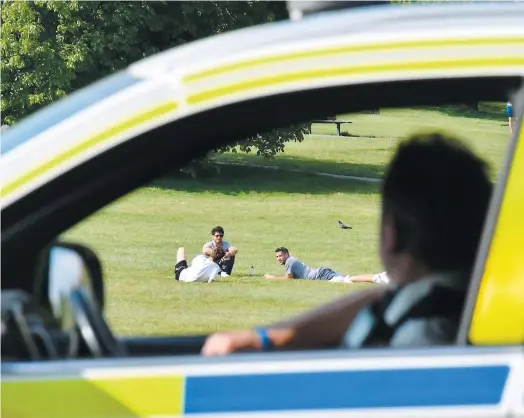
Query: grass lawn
[137, 237]
[375, 137]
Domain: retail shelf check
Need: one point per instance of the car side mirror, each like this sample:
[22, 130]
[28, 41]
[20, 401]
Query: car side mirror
[73, 266]
[71, 288]
[67, 273]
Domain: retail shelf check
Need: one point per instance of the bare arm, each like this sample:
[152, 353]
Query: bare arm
[324, 326]
[206, 250]
[213, 276]
[362, 278]
[272, 277]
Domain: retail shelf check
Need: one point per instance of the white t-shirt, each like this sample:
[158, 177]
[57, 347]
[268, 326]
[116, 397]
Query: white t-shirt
[202, 269]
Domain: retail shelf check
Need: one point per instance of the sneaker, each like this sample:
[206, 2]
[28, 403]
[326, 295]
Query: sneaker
[381, 278]
[224, 274]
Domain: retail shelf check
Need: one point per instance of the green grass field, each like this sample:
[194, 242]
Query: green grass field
[137, 237]
[375, 137]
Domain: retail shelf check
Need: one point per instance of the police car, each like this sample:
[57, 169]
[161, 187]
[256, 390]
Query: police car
[68, 160]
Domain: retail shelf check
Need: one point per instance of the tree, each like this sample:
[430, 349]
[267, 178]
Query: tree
[51, 48]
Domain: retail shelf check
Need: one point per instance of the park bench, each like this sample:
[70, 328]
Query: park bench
[337, 122]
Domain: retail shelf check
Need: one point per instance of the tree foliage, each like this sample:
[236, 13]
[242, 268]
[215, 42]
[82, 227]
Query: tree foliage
[51, 48]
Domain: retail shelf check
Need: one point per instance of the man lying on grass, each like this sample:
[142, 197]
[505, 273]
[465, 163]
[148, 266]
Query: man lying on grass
[435, 197]
[296, 269]
[203, 268]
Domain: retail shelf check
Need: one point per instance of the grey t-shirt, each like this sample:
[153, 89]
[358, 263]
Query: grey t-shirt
[299, 270]
[211, 244]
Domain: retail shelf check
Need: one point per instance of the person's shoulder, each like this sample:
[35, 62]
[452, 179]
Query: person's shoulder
[425, 332]
[211, 266]
[291, 260]
[199, 257]
[226, 244]
[207, 263]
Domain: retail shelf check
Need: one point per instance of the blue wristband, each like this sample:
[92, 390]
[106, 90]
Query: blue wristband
[265, 342]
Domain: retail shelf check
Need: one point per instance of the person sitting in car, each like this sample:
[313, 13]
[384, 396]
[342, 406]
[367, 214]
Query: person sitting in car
[435, 197]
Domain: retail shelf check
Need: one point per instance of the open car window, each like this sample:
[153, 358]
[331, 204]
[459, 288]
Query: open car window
[294, 200]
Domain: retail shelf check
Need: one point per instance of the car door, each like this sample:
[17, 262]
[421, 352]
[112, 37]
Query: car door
[480, 376]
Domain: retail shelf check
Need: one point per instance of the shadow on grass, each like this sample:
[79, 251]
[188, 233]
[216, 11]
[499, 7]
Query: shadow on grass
[350, 135]
[236, 180]
[312, 164]
[485, 111]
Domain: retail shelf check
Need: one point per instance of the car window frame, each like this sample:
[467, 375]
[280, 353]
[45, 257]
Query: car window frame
[474, 317]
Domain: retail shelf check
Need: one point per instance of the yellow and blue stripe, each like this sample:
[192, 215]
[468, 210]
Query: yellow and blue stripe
[351, 389]
[178, 395]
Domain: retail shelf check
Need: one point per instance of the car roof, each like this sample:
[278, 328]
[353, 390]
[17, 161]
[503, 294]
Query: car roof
[215, 54]
[373, 24]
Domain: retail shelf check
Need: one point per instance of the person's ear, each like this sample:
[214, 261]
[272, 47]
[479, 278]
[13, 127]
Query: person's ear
[388, 236]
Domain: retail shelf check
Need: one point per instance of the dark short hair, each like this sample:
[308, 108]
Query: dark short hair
[437, 192]
[282, 249]
[218, 229]
[218, 253]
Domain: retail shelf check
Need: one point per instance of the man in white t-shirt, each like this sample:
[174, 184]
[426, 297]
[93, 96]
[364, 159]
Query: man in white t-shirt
[226, 264]
[202, 269]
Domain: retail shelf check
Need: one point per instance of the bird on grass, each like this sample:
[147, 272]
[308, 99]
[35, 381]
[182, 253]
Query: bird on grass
[341, 225]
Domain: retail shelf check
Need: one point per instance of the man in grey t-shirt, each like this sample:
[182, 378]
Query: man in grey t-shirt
[227, 263]
[296, 269]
